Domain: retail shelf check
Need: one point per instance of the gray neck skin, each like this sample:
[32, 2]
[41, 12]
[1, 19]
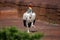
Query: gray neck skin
[29, 11]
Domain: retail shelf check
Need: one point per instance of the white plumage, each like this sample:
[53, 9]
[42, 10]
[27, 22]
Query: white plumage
[26, 16]
[29, 16]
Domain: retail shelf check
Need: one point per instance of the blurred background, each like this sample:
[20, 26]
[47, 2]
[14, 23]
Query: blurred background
[46, 10]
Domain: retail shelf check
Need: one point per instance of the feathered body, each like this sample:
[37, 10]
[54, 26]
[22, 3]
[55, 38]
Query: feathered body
[29, 17]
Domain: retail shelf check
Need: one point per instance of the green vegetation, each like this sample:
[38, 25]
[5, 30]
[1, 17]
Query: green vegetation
[12, 33]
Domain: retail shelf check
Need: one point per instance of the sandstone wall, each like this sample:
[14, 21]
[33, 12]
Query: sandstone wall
[45, 12]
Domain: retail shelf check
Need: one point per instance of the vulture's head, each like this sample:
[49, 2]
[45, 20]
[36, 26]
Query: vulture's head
[29, 8]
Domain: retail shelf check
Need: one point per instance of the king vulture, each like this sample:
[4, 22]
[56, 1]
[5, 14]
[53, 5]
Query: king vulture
[29, 18]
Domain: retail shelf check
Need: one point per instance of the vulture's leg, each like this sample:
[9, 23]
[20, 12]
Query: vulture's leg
[33, 22]
[27, 27]
[33, 25]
